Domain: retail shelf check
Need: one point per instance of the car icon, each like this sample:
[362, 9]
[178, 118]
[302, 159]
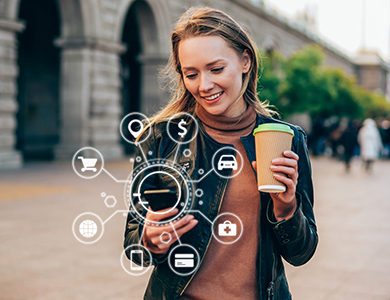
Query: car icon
[227, 161]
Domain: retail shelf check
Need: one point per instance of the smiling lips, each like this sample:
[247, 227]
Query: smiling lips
[213, 97]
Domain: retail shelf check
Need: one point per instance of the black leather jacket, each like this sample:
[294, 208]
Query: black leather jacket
[294, 239]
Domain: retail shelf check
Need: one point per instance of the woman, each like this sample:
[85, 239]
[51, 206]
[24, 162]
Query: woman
[370, 143]
[216, 75]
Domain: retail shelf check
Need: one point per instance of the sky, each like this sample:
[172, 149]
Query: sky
[340, 22]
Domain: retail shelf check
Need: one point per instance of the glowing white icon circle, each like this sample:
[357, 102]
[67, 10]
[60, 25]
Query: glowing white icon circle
[176, 116]
[195, 266]
[124, 258]
[85, 160]
[144, 118]
[213, 226]
[87, 216]
[134, 133]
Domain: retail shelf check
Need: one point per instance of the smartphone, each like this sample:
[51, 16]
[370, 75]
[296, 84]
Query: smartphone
[133, 266]
[160, 199]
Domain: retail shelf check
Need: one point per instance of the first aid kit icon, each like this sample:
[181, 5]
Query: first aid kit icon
[227, 229]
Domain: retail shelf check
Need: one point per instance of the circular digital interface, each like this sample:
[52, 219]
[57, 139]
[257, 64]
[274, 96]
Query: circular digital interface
[161, 170]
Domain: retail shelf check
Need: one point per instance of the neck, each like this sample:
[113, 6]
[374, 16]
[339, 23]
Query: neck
[224, 123]
[237, 109]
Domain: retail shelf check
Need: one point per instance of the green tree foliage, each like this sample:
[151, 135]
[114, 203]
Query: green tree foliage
[305, 89]
[268, 87]
[301, 83]
[373, 105]
[344, 101]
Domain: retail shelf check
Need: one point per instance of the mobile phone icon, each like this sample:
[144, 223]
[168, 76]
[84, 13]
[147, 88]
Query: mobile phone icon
[133, 266]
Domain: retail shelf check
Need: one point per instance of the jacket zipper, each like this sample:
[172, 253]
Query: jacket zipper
[208, 244]
[274, 273]
[270, 289]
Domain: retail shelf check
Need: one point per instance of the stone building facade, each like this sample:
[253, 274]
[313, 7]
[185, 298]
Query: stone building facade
[371, 71]
[71, 69]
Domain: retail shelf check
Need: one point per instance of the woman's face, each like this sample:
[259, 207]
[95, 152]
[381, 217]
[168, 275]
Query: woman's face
[212, 73]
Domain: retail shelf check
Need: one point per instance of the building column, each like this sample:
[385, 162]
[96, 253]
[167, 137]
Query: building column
[9, 157]
[90, 97]
[153, 95]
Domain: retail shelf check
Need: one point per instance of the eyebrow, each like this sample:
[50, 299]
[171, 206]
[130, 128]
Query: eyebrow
[207, 65]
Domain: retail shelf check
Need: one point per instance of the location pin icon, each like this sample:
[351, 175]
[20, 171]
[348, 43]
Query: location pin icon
[135, 134]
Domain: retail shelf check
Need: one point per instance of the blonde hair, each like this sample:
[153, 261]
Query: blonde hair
[206, 21]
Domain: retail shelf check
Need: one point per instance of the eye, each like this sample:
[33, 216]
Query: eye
[191, 76]
[217, 70]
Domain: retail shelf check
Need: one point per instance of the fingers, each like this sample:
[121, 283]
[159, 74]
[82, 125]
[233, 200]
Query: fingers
[291, 154]
[289, 171]
[290, 183]
[290, 159]
[186, 228]
[286, 162]
[181, 223]
[158, 243]
[153, 231]
[159, 246]
[161, 214]
[179, 232]
[291, 174]
[287, 165]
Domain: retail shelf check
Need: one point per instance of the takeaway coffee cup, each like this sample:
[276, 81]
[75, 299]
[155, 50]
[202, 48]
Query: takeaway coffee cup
[271, 140]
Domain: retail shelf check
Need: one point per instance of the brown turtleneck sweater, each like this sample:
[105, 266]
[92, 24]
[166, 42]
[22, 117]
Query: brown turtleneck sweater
[229, 271]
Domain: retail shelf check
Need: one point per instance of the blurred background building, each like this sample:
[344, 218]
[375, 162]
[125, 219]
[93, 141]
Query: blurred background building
[71, 69]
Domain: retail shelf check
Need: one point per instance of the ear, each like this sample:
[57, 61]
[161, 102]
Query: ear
[246, 59]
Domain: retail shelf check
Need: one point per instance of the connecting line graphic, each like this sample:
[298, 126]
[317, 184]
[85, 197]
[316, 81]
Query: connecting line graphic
[174, 230]
[177, 150]
[109, 174]
[142, 235]
[196, 181]
[125, 181]
[119, 210]
[143, 154]
[173, 227]
[198, 211]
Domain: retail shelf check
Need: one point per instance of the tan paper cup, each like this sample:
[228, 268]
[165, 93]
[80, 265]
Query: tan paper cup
[271, 140]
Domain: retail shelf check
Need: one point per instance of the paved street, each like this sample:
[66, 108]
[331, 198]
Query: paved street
[41, 259]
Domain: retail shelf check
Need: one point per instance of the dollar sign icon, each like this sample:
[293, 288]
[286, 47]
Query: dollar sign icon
[181, 123]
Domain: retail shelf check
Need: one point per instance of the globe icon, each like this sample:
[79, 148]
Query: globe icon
[88, 228]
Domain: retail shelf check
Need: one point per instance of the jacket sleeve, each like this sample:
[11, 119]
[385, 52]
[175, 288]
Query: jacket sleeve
[297, 237]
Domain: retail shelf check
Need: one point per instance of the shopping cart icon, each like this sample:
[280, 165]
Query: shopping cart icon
[88, 163]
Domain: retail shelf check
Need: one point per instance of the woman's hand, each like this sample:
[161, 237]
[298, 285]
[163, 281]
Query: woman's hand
[151, 237]
[285, 203]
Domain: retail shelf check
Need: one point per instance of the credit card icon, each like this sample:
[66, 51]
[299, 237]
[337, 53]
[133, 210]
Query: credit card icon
[184, 260]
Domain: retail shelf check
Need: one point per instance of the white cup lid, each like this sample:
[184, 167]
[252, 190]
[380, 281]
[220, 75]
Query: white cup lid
[272, 188]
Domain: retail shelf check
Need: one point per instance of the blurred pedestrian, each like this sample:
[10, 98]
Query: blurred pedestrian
[349, 142]
[317, 137]
[333, 136]
[385, 134]
[370, 143]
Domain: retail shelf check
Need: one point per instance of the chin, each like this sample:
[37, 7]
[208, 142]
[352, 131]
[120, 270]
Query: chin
[215, 111]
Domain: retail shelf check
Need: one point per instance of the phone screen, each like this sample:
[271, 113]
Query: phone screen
[161, 199]
[133, 266]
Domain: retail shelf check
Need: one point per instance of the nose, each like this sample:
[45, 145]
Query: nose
[206, 84]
